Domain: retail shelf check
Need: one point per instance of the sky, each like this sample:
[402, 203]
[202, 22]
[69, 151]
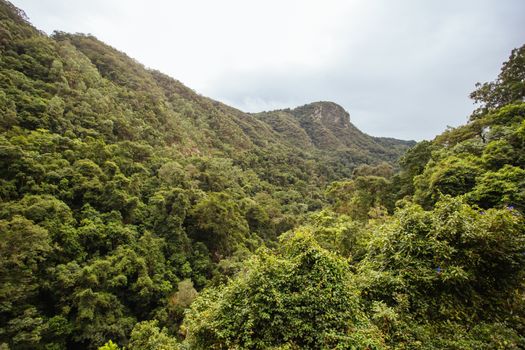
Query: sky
[401, 68]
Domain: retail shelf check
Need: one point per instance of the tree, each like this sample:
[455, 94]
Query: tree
[502, 188]
[148, 336]
[339, 233]
[24, 248]
[509, 87]
[450, 175]
[109, 346]
[451, 263]
[362, 197]
[301, 297]
[412, 164]
[217, 221]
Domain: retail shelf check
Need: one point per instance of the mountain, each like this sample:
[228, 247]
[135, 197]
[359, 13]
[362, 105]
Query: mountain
[326, 126]
[233, 132]
[118, 183]
[137, 214]
[146, 105]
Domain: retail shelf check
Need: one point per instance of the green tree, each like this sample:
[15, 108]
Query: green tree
[109, 346]
[24, 248]
[362, 198]
[217, 221]
[302, 297]
[502, 188]
[412, 164]
[451, 175]
[509, 87]
[147, 335]
[452, 263]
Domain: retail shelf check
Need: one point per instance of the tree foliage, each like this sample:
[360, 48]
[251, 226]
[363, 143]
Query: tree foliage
[302, 297]
[132, 210]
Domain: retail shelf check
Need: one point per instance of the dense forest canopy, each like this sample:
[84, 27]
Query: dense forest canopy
[138, 214]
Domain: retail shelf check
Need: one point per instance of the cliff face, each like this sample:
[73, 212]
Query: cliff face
[329, 114]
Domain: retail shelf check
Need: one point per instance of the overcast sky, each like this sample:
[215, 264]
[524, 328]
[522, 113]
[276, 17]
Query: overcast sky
[401, 68]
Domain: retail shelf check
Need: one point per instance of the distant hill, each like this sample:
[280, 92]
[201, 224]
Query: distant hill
[326, 126]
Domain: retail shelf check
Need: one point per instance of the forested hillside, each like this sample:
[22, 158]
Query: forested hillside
[138, 214]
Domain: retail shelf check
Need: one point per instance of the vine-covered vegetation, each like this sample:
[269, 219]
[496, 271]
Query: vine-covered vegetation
[137, 214]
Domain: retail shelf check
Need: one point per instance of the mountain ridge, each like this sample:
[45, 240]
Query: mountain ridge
[93, 53]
